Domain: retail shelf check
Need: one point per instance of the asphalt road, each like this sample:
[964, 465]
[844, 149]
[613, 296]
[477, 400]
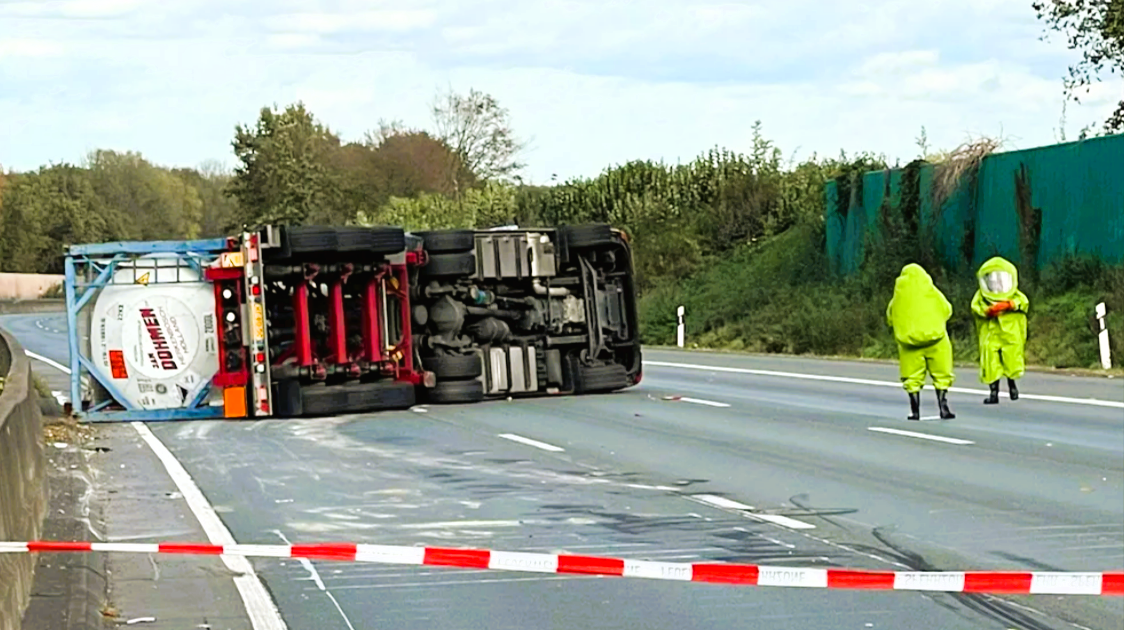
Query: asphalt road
[1026, 485]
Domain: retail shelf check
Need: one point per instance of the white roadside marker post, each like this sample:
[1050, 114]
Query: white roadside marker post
[680, 329]
[1106, 359]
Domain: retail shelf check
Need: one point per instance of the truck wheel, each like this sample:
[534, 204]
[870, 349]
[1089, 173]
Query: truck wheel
[585, 235]
[454, 366]
[599, 378]
[455, 392]
[448, 241]
[315, 239]
[321, 400]
[448, 265]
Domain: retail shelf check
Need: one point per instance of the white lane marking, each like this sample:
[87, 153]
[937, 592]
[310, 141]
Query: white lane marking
[776, 519]
[862, 381]
[930, 417]
[783, 521]
[699, 401]
[58, 366]
[314, 575]
[262, 611]
[923, 436]
[50, 362]
[721, 502]
[529, 442]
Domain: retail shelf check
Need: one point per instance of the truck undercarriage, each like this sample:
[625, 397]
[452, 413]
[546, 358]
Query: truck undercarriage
[526, 312]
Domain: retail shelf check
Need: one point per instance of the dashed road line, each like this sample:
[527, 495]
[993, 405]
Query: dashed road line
[721, 502]
[923, 436]
[747, 510]
[863, 381]
[783, 521]
[699, 401]
[529, 442]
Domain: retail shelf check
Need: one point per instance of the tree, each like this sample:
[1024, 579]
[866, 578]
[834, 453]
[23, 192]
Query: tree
[1096, 28]
[285, 176]
[413, 162]
[479, 132]
[147, 202]
[45, 210]
[218, 211]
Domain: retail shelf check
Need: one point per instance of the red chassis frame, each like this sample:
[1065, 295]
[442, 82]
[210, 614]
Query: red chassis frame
[391, 358]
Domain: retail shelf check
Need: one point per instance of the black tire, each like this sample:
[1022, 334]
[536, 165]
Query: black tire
[330, 400]
[456, 392]
[454, 366]
[448, 241]
[599, 378]
[315, 239]
[585, 235]
[450, 265]
[287, 399]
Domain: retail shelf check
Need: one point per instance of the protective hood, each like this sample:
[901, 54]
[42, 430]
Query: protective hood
[918, 310]
[998, 279]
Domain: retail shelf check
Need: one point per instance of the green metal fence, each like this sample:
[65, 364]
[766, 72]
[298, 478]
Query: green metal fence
[1041, 205]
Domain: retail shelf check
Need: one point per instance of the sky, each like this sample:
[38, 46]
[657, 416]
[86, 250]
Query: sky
[588, 84]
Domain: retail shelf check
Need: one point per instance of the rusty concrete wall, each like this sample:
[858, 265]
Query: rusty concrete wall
[26, 286]
[23, 478]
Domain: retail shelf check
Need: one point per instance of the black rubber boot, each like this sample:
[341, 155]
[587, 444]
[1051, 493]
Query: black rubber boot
[942, 403]
[1012, 389]
[914, 406]
[993, 399]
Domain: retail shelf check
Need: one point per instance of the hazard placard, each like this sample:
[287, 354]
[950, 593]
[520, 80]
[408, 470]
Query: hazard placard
[231, 259]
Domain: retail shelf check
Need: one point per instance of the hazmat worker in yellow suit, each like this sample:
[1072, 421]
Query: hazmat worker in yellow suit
[1000, 312]
[919, 314]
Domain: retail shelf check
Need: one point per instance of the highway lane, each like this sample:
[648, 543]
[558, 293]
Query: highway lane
[1040, 486]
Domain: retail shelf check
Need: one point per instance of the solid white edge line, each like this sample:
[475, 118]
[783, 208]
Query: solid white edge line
[923, 436]
[862, 381]
[699, 401]
[529, 442]
[50, 362]
[260, 607]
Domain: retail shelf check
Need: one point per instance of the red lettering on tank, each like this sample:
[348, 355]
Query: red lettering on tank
[163, 357]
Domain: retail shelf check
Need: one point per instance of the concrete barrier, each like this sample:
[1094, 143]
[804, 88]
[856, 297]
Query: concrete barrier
[23, 474]
[17, 307]
[26, 286]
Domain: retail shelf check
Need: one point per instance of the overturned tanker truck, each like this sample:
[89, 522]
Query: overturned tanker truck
[289, 321]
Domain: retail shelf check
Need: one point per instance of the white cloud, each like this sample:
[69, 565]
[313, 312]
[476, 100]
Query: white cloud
[323, 23]
[77, 9]
[14, 49]
[592, 82]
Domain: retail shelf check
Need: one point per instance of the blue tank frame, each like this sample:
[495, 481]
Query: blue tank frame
[102, 259]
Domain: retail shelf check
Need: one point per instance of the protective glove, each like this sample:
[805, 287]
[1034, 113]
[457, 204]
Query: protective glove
[998, 308]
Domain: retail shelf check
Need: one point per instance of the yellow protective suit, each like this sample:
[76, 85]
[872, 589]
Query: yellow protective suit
[918, 313]
[1000, 313]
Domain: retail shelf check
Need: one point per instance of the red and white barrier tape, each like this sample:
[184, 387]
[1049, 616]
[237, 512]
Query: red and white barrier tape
[994, 582]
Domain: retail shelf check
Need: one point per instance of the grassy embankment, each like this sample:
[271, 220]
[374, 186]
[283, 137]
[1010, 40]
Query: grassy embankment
[777, 296]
